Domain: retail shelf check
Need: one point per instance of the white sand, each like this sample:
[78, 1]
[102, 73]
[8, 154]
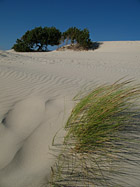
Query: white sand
[36, 99]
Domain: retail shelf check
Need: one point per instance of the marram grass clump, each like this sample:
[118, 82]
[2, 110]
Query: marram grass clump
[102, 133]
[100, 114]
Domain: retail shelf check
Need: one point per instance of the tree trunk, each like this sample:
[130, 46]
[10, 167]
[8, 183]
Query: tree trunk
[39, 48]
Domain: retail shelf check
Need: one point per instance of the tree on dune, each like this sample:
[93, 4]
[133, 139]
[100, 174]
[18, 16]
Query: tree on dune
[38, 39]
[78, 36]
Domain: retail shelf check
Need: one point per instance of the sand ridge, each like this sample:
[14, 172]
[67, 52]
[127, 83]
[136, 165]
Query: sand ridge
[36, 99]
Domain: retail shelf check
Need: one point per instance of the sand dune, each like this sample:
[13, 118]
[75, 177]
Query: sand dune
[36, 100]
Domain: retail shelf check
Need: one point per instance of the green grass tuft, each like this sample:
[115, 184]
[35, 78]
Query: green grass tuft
[102, 133]
[100, 114]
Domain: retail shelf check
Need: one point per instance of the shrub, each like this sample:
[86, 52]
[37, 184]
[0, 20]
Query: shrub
[21, 46]
[71, 34]
[54, 35]
[38, 39]
[81, 37]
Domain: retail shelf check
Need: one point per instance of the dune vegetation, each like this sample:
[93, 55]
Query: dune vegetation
[39, 38]
[100, 128]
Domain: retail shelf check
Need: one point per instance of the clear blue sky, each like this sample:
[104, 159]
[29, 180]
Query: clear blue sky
[106, 20]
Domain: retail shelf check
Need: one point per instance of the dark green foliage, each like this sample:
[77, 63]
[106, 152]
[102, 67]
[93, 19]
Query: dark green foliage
[21, 46]
[81, 37]
[54, 35]
[71, 34]
[35, 39]
[38, 39]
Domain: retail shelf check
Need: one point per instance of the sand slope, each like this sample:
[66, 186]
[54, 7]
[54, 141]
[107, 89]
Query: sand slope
[36, 91]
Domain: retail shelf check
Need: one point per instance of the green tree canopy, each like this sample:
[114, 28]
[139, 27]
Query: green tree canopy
[75, 35]
[38, 39]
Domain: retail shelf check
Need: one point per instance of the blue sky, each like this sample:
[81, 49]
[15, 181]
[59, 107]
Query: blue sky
[107, 20]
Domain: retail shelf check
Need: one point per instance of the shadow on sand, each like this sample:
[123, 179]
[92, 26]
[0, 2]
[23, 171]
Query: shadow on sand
[96, 45]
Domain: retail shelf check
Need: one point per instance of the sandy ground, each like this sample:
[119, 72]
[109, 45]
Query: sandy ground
[36, 91]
